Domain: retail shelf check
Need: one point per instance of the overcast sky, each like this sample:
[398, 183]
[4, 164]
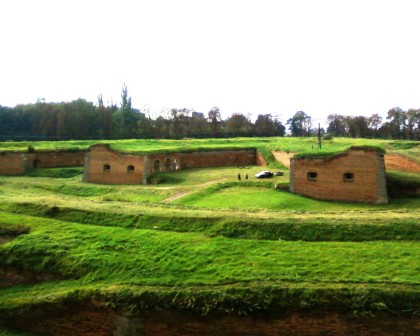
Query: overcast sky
[322, 57]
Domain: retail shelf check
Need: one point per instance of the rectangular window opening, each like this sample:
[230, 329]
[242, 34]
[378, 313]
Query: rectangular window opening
[348, 177]
[312, 176]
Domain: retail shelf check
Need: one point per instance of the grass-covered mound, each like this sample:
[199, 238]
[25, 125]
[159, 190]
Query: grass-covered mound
[65, 172]
[202, 241]
[118, 264]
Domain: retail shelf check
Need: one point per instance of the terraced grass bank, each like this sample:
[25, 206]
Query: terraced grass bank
[228, 257]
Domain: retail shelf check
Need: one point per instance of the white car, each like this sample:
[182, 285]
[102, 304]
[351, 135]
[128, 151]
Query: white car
[264, 174]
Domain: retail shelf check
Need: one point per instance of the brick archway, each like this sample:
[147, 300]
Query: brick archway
[168, 165]
[156, 166]
[36, 163]
[175, 164]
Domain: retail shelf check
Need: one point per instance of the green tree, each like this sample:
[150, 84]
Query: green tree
[300, 124]
[215, 121]
[374, 122]
[413, 124]
[337, 125]
[125, 118]
[265, 125]
[358, 127]
[238, 125]
[397, 118]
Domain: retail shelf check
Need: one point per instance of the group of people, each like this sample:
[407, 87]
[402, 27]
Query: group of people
[239, 176]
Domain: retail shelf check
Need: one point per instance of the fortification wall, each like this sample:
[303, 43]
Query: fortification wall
[358, 176]
[103, 165]
[55, 159]
[12, 163]
[18, 163]
[174, 161]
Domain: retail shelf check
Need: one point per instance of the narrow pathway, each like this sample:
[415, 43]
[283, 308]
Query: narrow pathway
[185, 193]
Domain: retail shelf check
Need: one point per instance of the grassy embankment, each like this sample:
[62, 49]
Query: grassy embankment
[226, 245]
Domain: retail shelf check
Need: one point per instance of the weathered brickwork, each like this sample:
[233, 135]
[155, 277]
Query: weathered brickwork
[355, 176]
[173, 161]
[103, 165]
[18, 163]
[55, 159]
[12, 163]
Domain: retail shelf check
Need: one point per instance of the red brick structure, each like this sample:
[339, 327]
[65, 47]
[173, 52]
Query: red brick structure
[104, 165]
[13, 163]
[357, 175]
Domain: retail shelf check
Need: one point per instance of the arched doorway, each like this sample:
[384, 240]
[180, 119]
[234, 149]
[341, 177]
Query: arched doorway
[175, 165]
[36, 163]
[168, 164]
[156, 166]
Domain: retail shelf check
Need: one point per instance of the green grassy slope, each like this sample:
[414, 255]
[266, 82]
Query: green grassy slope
[203, 241]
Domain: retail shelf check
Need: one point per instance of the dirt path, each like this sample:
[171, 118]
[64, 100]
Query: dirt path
[185, 193]
[283, 157]
[401, 162]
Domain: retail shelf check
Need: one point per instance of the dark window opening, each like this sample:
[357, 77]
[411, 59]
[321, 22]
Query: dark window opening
[348, 177]
[312, 176]
[130, 168]
[107, 168]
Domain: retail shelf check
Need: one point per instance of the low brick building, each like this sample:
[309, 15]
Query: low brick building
[17, 163]
[105, 165]
[357, 175]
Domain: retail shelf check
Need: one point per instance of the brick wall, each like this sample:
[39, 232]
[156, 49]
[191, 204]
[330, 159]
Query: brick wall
[19, 163]
[12, 163]
[367, 185]
[201, 159]
[103, 165]
[55, 159]
[101, 156]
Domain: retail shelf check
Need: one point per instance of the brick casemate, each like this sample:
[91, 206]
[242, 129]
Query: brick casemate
[104, 165]
[12, 163]
[357, 175]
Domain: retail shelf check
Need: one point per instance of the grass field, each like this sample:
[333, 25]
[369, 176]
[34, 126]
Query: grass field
[203, 241]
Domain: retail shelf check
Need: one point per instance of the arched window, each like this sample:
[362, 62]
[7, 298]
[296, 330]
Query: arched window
[168, 164]
[130, 168]
[156, 166]
[107, 167]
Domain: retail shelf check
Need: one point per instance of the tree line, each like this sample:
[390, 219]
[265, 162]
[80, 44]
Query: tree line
[81, 119]
[399, 124]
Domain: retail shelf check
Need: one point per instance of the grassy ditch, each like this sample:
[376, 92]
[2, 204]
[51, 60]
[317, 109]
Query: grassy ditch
[403, 184]
[153, 269]
[291, 228]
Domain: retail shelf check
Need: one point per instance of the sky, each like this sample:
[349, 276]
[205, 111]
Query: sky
[323, 57]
